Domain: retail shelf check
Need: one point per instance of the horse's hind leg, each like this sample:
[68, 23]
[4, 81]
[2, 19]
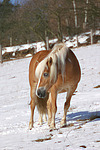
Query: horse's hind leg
[67, 105]
[40, 118]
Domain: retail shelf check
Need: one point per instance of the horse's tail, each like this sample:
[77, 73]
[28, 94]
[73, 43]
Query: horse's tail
[42, 104]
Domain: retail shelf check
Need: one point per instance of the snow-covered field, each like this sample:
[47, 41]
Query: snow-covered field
[83, 119]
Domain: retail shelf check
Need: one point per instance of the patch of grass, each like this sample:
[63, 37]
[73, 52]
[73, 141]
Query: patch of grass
[42, 140]
[68, 125]
[83, 146]
[98, 141]
[98, 86]
[93, 117]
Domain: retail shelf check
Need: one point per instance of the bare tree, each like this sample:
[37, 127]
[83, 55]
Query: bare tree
[57, 18]
[86, 14]
[75, 13]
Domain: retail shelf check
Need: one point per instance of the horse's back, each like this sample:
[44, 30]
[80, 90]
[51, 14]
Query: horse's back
[72, 74]
[75, 63]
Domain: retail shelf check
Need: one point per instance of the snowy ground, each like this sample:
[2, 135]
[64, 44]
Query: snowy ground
[83, 119]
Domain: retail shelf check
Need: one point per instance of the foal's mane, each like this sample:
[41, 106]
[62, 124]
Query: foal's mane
[58, 54]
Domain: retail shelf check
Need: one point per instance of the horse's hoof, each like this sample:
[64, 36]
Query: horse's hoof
[49, 124]
[52, 127]
[63, 126]
[30, 126]
[40, 123]
[63, 123]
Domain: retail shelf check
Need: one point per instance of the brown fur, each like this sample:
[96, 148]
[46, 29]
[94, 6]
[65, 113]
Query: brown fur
[64, 81]
[42, 104]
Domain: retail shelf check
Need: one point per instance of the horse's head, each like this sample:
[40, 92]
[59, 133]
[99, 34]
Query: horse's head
[46, 72]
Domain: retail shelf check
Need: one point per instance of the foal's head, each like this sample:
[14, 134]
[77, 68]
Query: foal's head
[46, 72]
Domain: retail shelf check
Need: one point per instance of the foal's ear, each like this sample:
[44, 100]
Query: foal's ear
[49, 62]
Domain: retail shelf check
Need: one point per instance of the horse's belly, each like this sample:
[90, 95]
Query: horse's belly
[63, 89]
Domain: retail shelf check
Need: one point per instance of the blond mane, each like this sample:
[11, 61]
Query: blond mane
[60, 51]
[58, 55]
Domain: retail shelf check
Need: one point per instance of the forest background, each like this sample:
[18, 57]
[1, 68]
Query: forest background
[32, 20]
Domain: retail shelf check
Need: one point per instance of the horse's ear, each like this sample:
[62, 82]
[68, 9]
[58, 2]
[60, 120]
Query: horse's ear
[49, 62]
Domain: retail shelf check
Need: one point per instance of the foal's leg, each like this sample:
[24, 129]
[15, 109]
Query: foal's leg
[67, 105]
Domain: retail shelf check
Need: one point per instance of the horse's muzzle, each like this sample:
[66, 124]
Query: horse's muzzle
[41, 92]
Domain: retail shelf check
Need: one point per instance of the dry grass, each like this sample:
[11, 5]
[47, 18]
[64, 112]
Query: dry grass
[93, 117]
[42, 140]
[98, 86]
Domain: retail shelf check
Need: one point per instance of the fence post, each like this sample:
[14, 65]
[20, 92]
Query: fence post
[1, 59]
[91, 36]
[77, 40]
[47, 43]
[10, 41]
[28, 42]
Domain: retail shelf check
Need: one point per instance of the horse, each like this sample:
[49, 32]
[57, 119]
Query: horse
[52, 72]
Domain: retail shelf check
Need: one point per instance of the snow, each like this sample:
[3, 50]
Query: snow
[81, 132]
[18, 48]
[82, 39]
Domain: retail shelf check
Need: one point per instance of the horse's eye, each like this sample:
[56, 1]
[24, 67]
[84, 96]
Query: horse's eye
[45, 74]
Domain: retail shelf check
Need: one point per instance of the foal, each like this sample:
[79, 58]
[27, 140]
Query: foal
[50, 73]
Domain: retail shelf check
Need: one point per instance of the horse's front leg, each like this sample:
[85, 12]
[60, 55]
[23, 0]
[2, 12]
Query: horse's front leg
[66, 107]
[49, 108]
[41, 118]
[54, 108]
[32, 106]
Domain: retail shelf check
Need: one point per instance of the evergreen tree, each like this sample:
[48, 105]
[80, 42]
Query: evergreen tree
[6, 10]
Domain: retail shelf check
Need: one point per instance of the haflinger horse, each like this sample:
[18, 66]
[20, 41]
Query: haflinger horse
[52, 72]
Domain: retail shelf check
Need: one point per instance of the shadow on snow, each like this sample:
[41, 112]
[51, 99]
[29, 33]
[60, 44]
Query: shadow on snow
[83, 115]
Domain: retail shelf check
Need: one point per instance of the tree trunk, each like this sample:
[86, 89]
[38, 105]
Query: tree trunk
[75, 14]
[86, 13]
[60, 38]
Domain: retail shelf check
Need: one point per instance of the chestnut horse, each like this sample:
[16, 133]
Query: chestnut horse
[52, 72]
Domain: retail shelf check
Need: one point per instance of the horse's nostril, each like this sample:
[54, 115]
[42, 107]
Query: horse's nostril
[41, 92]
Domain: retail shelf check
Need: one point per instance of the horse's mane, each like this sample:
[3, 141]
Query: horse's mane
[58, 54]
[60, 50]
